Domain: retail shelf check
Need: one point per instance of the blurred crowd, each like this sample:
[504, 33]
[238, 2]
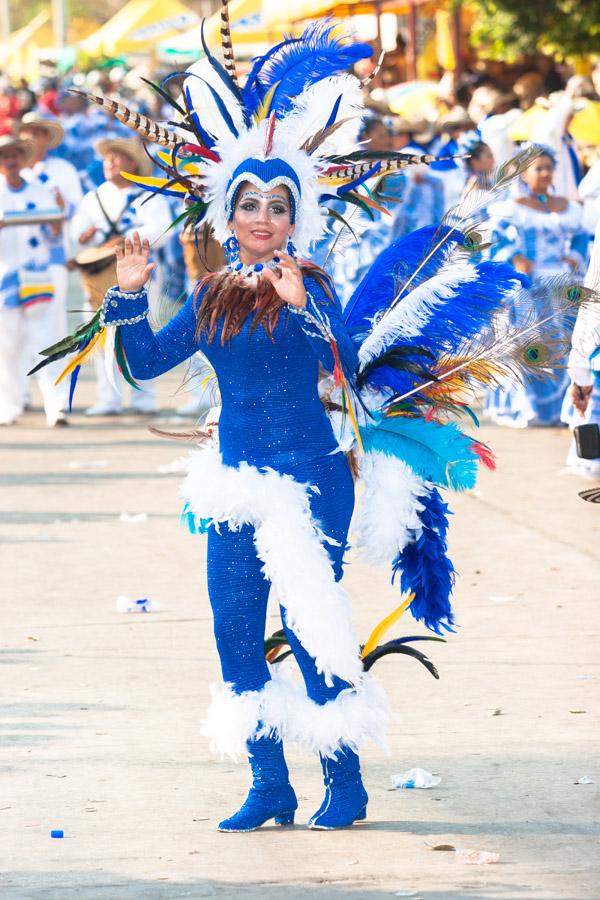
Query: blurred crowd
[59, 152]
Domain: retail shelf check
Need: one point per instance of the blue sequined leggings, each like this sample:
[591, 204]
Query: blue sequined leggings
[239, 592]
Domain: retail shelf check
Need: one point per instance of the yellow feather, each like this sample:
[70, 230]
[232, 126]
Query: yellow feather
[178, 163]
[80, 358]
[263, 110]
[207, 379]
[152, 181]
[385, 624]
[166, 156]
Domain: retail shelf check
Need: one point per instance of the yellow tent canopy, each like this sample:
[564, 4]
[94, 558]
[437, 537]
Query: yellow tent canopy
[249, 34]
[585, 124]
[138, 26]
[249, 24]
[301, 10]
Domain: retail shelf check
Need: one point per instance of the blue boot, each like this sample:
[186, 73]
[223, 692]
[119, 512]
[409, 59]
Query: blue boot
[271, 795]
[345, 797]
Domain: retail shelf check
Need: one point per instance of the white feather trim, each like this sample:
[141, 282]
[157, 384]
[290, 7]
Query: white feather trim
[290, 544]
[411, 315]
[282, 710]
[388, 517]
[313, 107]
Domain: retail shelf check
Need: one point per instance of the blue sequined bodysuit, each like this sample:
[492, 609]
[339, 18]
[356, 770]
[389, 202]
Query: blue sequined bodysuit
[271, 416]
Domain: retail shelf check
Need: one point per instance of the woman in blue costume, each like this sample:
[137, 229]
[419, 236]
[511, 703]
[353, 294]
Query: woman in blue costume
[541, 235]
[258, 164]
[258, 170]
[266, 364]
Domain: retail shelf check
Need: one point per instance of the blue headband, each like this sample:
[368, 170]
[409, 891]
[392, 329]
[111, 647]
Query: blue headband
[266, 174]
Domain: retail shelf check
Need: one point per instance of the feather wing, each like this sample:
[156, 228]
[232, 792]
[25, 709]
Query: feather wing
[507, 351]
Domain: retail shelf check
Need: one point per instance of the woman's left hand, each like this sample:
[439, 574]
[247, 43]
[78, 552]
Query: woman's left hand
[287, 279]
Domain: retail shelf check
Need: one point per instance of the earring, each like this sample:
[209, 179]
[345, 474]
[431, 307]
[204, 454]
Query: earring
[232, 250]
[290, 247]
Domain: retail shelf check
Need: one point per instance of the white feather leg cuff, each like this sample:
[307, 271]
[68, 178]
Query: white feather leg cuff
[283, 710]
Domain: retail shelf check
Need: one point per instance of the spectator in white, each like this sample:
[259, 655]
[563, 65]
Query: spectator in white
[27, 322]
[117, 207]
[540, 234]
[553, 131]
[494, 113]
[584, 367]
[61, 179]
[589, 192]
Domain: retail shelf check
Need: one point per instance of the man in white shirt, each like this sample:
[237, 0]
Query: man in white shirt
[27, 321]
[494, 113]
[117, 208]
[61, 179]
[553, 131]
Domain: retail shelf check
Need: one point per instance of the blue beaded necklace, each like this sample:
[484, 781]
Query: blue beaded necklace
[246, 270]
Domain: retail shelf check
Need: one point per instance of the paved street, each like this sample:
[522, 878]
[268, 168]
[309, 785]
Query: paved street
[100, 715]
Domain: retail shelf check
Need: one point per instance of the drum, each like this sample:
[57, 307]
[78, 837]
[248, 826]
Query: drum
[215, 256]
[98, 268]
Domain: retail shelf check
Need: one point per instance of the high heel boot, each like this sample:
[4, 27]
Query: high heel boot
[271, 795]
[345, 797]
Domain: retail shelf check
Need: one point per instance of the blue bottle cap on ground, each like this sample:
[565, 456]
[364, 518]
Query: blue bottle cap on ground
[57, 833]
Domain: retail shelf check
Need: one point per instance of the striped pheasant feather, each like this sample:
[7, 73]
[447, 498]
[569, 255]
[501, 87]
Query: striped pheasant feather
[226, 44]
[149, 129]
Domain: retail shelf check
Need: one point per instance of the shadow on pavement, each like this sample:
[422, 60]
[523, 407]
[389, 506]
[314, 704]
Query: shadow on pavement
[53, 886]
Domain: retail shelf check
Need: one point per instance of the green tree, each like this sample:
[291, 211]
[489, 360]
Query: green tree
[507, 28]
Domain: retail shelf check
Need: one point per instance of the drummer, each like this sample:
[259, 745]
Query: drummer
[105, 215]
[27, 321]
[60, 178]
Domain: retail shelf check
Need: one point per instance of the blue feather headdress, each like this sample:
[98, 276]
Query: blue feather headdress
[299, 108]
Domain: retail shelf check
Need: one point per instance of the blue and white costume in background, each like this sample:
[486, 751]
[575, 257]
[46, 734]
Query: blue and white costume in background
[423, 199]
[545, 238]
[27, 319]
[451, 171]
[55, 174]
[349, 264]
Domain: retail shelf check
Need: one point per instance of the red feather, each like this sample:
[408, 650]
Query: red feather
[337, 369]
[270, 133]
[201, 151]
[485, 455]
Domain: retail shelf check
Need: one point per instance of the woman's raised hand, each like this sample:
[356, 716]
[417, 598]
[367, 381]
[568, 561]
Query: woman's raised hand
[133, 268]
[287, 279]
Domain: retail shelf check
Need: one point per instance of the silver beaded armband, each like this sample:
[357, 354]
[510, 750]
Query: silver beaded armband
[111, 299]
[320, 331]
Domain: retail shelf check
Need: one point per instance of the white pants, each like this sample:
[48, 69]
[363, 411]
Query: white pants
[22, 335]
